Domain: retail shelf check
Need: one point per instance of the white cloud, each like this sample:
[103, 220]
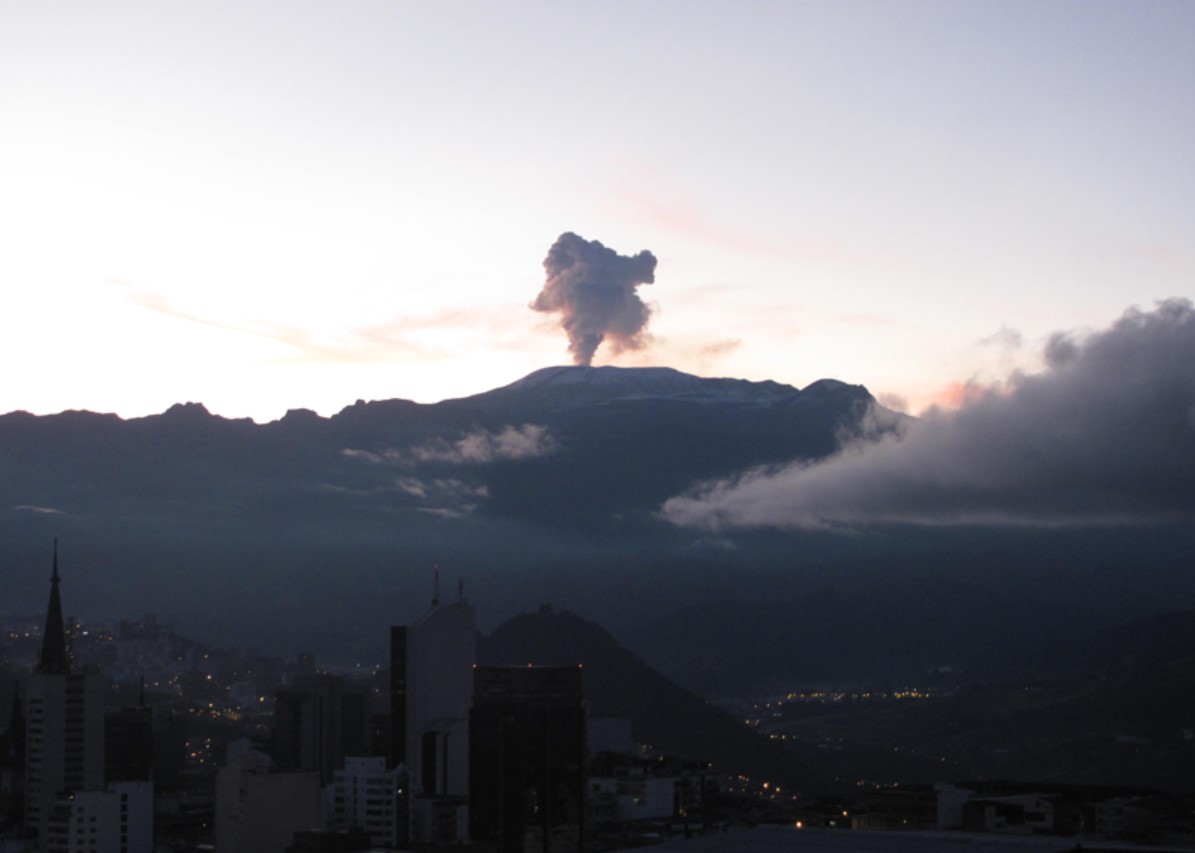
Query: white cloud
[479, 447]
[1104, 435]
[45, 510]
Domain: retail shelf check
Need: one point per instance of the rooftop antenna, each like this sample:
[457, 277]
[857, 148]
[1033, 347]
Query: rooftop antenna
[436, 587]
[460, 590]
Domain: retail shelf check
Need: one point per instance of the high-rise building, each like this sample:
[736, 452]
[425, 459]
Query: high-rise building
[12, 764]
[118, 820]
[64, 718]
[431, 683]
[81, 821]
[396, 741]
[527, 759]
[318, 721]
[129, 773]
[129, 743]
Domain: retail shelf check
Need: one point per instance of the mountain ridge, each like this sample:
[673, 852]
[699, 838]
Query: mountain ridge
[301, 532]
[500, 480]
[603, 383]
[572, 385]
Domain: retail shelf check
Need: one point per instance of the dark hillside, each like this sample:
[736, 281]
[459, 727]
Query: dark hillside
[617, 683]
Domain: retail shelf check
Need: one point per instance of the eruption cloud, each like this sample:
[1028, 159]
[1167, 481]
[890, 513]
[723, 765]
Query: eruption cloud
[593, 289]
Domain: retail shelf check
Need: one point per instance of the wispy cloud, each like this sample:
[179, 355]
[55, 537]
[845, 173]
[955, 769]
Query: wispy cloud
[442, 496]
[715, 349]
[689, 353]
[479, 447]
[669, 205]
[400, 336]
[893, 401]
[445, 497]
[680, 211]
[863, 320]
[1002, 354]
[498, 326]
[1006, 338]
[955, 395]
[1104, 435]
[45, 510]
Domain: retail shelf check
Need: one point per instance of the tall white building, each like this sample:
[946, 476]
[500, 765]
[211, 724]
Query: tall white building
[118, 820]
[431, 677]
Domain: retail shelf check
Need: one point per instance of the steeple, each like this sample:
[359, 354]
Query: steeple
[54, 657]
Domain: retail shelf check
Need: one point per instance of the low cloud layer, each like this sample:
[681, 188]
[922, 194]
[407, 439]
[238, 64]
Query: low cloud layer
[479, 447]
[528, 441]
[1104, 435]
[592, 288]
[444, 497]
[44, 510]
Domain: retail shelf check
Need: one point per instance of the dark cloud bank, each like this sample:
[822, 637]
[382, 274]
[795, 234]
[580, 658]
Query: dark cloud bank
[1105, 435]
[592, 288]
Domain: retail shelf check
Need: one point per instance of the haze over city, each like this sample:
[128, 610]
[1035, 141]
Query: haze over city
[277, 206]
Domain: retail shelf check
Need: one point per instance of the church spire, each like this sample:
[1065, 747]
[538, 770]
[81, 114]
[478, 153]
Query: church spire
[54, 657]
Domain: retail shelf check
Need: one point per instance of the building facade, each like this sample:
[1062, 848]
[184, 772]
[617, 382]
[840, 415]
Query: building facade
[258, 811]
[528, 759]
[318, 721]
[431, 685]
[368, 796]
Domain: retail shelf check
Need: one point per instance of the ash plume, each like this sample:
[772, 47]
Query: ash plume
[592, 287]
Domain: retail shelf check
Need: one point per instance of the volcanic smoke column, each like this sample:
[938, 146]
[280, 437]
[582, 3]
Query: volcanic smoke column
[593, 288]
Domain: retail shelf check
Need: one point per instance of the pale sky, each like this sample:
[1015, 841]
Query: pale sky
[264, 206]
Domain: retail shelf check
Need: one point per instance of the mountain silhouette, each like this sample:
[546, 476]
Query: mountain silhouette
[310, 532]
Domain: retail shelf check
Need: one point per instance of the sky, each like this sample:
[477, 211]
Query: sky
[264, 206]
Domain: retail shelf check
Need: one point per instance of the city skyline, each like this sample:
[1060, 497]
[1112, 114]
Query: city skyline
[262, 208]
